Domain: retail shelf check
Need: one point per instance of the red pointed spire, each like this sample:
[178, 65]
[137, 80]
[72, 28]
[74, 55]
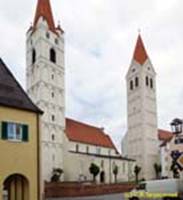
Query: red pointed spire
[44, 10]
[140, 54]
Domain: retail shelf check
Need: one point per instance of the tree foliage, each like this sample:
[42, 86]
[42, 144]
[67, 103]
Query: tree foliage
[94, 170]
[56, 175]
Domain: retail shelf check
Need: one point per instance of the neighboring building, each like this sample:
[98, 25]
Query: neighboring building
[19, 143]
[165, 137]
[88, 144]
[141, 139]
[45, 83]
[169, 144]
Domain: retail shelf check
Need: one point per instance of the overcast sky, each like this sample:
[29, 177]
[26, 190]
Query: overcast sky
[100, 39]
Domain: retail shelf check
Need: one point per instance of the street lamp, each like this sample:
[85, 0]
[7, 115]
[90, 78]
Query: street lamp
[176, 126]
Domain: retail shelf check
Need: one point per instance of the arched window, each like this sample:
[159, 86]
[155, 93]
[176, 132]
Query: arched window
[147, 80]
[151, 83]
[33, 56]
[136, 81]
[131, 85]
[52, 55]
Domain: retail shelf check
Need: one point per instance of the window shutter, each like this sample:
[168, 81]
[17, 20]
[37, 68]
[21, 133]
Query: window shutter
[25, 136]
[4, 129]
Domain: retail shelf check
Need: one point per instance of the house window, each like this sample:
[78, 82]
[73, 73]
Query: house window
[136, 81]
[131, 85]
[151, 83]
[77, 147]
[87, 149]
[33, 56]
[147, 81]
[98, 150]
[56, 41]
[52, 55]
[14, 131]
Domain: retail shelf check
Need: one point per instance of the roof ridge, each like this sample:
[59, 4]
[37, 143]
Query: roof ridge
[86, 124]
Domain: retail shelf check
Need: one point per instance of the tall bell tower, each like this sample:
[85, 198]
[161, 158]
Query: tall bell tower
[141, 138]
[45, 83]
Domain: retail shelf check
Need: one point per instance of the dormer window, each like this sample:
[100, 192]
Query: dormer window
[33, 56]
[131, 85]
[52, 55]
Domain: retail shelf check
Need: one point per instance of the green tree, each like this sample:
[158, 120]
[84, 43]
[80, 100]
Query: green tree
[175, 170]
[94, 170]
[137, 170]
[157, 169]
[56, 175]
[115, 172]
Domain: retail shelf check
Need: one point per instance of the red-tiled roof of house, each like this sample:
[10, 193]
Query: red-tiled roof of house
[164, 135]
[84, 133]
[44, 10]
[140, 54]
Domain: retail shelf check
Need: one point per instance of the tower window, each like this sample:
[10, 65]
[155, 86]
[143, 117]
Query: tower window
[53, 137]
[52, 76]
[52, 55]
[151, 83]
[136, 81]
[33, 56]
[131, 85]
[53, 118]
[52, 94]
[47, 35]
[147, 80]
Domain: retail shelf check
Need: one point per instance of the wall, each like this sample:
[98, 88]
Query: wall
[20, 157]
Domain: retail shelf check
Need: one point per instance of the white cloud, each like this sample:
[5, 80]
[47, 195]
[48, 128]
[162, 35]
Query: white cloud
[100, 38]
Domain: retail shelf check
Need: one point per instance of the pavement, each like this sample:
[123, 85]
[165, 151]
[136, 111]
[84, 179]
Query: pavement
[103, 197]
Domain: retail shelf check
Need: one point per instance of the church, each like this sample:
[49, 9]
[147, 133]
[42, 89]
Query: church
[66, 144]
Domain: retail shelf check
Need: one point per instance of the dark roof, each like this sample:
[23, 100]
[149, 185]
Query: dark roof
[11, 92]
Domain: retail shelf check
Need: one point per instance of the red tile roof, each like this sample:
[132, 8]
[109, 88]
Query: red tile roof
[140, 54]
[164, 135]
[44, 10]
[84, 133]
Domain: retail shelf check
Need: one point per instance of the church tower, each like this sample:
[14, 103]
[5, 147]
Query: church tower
[45, 83]
[141, 138]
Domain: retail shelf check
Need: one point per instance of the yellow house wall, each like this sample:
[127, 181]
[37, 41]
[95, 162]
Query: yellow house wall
[20, 157]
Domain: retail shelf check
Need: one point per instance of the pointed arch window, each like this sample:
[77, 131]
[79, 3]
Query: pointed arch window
[151, 83]
[147, 81]
[52, 55]
[33, 56]
[136, 81]
[131, 85]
